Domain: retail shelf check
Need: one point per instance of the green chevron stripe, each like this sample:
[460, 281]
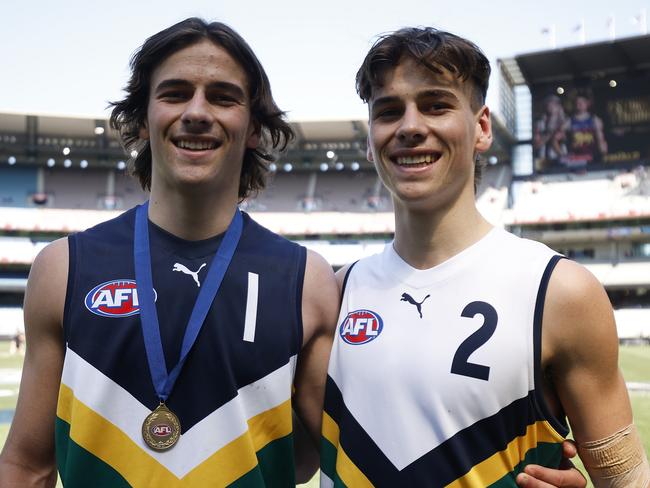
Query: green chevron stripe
[77, 466]
[328, 458]
[545, 454]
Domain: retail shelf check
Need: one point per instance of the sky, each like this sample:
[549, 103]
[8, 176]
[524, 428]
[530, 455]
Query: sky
[70, 57]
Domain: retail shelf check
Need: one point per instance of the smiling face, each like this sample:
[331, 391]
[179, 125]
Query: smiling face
[198, 121]
[424, 136]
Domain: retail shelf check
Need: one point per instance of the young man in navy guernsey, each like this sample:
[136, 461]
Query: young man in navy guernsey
[164, 345]
[461, 348]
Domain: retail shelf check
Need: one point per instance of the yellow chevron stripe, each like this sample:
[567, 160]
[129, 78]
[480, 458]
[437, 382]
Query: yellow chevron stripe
[330, 429]
[107, 442]
[65, 403]
[496, 466]
[348, 471]
[345, 467]
[238, 458]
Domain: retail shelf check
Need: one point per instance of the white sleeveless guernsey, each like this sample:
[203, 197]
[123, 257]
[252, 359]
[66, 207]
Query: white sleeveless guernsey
[434, 378]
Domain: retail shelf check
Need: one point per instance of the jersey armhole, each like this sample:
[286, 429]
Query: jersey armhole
[559, 424]
[345, 282]
[70, 287]
[300, 280]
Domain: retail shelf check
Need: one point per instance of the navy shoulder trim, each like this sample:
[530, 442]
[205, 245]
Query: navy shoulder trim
[72, 280]
[557, 423]
[302, 261]
[345, 282]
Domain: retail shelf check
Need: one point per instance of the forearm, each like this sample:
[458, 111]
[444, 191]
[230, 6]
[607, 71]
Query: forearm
[617, 461]
[17, 474]
[306, 455]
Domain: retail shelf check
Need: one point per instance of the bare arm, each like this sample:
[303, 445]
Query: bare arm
[320, 301]
[27, 459]
[580, 356]
[580, 359]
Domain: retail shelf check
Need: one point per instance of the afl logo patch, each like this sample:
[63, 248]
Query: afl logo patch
[361, 327]
[117, 298]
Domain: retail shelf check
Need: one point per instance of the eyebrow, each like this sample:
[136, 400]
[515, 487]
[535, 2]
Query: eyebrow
[226, 86]
[434, 93]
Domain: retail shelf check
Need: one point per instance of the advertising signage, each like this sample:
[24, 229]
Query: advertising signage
[592, 125]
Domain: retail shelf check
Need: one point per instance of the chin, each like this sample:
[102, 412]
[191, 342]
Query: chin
[424, 201]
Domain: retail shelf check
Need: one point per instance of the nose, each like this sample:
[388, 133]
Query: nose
[412, 128]
[197, 115]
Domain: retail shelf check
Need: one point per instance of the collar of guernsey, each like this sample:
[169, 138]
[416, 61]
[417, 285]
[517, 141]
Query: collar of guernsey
[164, 382]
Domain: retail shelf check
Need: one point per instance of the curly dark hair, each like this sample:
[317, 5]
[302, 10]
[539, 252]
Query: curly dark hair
[129, 115]
[438, 51]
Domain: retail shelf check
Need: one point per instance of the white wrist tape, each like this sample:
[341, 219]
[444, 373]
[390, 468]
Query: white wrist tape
[617, 461]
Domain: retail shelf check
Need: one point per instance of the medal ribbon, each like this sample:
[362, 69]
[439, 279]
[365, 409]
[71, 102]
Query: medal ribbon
[162, 381]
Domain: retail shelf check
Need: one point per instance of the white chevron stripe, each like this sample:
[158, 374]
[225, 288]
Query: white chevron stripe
[118, 406]
[325, 481]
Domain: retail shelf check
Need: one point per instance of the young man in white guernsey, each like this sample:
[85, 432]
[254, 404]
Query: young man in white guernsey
[461, 349]
[140, 369]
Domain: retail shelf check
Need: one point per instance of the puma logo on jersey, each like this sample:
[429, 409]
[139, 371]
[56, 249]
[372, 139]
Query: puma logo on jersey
[194, 274]
[409, 299]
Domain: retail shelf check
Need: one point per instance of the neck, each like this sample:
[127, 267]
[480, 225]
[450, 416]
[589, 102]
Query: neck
[190, 216]
[425, 239]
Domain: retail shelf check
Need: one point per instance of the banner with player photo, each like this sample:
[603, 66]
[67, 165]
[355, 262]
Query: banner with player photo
[591, 126]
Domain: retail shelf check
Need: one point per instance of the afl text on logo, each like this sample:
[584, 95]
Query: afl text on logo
[117, 298]
[361, 327]
[161, 430]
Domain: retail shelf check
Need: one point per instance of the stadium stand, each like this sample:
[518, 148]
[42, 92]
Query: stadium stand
[128, 192]
[75, 188]
[567, 197]
[17, 185]
[324, 194]
[359, 192]
[285, 192]
[11, 322]
[633, 325]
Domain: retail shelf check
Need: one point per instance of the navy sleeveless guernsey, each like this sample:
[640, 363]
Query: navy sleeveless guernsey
[233, 395]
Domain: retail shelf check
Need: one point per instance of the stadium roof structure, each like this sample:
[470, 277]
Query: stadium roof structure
[33, 139]
[629, 55]
[66, 126]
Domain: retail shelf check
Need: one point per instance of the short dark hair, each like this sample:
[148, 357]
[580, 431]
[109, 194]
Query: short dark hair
[438, 51]
[128, 116]
[434, 49]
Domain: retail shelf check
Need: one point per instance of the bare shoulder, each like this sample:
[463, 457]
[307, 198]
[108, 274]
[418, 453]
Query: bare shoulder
[580, 353]
[52, 258]
[320, 296]
[47, 283]
[578, 315]
[341, 274]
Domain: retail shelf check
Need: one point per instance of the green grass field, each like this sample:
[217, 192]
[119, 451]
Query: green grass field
[634, 362]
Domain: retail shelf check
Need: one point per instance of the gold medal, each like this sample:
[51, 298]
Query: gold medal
[161, 429]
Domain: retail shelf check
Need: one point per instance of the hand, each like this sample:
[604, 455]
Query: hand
[567, 476]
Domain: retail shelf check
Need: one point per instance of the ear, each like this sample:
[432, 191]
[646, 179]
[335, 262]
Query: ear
[144, 132]
[369, 155]
[483, 130]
